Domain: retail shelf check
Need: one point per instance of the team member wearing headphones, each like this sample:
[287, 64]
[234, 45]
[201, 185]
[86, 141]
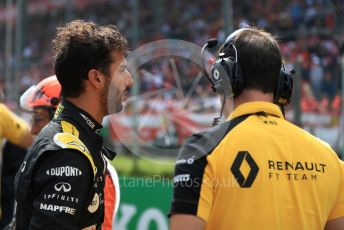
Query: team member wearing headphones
[256, 170]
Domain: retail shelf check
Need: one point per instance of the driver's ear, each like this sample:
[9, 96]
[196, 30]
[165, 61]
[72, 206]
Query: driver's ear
[96, 78]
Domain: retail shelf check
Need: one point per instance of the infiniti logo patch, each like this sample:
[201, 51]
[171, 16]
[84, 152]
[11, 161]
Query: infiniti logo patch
[62, 186]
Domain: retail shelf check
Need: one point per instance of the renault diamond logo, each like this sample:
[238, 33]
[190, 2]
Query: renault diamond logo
[65, 187]
[244, 155]
[216, 74]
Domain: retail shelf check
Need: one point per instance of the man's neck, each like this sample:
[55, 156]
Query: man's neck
[248, 95]
[84, 103]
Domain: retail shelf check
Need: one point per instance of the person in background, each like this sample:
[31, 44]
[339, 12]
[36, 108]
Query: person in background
[256, 170]
[12, 157]
[61, 182]
[16, 131]
[42, 100]
[13, 128]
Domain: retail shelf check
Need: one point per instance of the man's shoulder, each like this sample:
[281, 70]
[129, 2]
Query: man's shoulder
[45, 136]
[52, 138]
[307, 136]
[3, 108]
[201, 144]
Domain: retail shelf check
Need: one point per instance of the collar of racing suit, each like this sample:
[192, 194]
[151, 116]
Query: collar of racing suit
[68, 111]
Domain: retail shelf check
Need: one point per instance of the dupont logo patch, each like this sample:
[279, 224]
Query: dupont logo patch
[64, 171]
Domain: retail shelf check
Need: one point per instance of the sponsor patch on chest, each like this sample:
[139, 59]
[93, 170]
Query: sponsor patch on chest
[64, 171]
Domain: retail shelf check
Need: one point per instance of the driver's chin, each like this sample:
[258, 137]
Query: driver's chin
[119, 107]
[115, 108]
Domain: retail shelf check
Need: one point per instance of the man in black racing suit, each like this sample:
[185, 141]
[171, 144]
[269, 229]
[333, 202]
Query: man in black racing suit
[62, 179]
[60, 183]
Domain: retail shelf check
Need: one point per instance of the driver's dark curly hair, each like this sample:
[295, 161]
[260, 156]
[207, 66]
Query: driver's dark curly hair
[80, 46]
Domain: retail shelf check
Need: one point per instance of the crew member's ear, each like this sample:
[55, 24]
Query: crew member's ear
[95, 78]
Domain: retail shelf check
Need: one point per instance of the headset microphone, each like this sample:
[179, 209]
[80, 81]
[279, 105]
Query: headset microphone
[210, 44]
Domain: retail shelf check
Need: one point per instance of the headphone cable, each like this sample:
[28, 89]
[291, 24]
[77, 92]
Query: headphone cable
[216, 120]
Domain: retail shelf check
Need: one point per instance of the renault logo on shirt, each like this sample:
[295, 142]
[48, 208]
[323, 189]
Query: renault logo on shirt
[62, 186]
[238, 161]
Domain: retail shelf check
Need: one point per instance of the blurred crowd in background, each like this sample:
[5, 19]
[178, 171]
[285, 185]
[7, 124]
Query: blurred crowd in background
[310, 34]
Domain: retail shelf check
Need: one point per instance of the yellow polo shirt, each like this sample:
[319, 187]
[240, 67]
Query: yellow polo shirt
[258, 171]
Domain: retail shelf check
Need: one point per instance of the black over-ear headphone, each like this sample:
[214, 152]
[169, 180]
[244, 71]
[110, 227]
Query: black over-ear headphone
[227, 78]
[226, 74]
[284, 89]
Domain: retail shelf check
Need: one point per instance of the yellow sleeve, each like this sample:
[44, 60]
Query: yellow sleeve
[193, 189]
[12, 127]
[206, 194]
[338, 209]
